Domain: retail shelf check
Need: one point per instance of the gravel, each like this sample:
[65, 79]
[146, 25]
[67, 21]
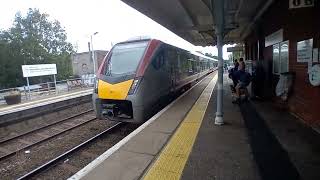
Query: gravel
[21, 163]
[30, 124]
[81, 158]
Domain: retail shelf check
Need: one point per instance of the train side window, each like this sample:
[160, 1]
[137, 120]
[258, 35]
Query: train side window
[158, 62]
[179, 62]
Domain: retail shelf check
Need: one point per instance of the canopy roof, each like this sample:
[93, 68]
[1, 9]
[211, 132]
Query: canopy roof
[194, 21]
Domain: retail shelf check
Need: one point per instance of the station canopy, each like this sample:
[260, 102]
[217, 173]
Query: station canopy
[194, 21]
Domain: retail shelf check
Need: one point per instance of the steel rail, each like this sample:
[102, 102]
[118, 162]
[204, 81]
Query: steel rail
[45, 139]
[43, 127]
[54, 160]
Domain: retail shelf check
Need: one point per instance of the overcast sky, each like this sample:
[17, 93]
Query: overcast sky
[114, 20]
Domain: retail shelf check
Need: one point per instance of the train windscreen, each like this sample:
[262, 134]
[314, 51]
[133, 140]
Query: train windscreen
[125, 58]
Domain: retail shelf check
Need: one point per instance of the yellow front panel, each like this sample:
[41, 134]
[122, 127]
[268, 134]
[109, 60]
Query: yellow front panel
[118, 91]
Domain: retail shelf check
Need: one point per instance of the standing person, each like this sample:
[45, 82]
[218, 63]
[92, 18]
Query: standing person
[241, 63]
[232, 72]
[225, 67]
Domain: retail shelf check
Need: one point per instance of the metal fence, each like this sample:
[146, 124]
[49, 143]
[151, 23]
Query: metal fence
[38, 91]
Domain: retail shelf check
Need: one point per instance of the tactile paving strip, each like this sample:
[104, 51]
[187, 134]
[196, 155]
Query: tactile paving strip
[171, 161]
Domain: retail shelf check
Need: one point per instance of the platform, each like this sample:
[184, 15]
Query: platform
[12, 113]
[44, 101]
[182, 142]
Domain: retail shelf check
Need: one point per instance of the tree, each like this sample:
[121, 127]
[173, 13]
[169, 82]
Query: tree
[33, 39]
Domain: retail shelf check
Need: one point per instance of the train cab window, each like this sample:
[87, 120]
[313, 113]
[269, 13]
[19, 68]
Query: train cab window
[124, 58]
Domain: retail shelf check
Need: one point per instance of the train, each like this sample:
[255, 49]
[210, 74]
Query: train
[136, 74]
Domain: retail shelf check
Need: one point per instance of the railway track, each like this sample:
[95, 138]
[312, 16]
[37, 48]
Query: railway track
[23, 141]
[64, 155]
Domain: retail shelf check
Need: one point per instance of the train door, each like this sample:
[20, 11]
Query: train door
[172, 58]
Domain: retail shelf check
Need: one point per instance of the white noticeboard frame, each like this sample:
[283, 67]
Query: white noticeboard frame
[39, 70]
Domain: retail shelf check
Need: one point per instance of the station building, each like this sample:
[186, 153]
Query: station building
[82, 63]
[286, 38]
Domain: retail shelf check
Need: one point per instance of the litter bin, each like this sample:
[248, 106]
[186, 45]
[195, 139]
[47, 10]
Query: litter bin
[284, 85]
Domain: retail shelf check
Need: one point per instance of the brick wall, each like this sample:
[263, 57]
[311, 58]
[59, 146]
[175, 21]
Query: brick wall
[298, 24]
[82, 63]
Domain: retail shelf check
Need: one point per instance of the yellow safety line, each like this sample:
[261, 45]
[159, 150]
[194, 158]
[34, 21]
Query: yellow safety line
[171, 161]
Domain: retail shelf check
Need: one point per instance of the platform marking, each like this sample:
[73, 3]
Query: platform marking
[171, 161]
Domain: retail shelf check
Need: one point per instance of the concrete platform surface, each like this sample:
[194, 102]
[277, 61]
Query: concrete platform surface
[221, 152]
[300, 141]
[41, 102]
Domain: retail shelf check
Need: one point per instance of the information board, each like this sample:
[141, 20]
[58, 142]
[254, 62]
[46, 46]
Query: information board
[315, 55]
[304, 50]
[314, 75]
[39, 70]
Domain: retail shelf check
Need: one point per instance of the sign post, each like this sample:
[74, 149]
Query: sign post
[39, 70]
[55, 83]
[28, 84]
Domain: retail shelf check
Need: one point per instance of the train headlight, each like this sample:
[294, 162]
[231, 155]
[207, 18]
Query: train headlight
[134, 85]
[96, 86]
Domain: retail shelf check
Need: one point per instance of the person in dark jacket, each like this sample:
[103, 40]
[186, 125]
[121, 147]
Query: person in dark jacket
[243, 80]
[232, 72]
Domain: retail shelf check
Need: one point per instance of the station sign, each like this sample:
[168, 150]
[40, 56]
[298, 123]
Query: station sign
[274, 38]
[293, 4]
[39, 70]
[235, 49]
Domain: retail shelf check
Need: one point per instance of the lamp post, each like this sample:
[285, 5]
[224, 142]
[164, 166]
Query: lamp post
[92, 52]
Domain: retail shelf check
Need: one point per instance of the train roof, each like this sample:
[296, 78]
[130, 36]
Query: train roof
[146, 38]
[203, 56]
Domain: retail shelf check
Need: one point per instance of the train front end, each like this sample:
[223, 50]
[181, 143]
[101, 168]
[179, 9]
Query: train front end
[117, 95]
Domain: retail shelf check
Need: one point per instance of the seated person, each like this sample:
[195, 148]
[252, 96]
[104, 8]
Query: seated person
[243, 80]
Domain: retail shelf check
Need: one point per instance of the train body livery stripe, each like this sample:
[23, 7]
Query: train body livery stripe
[147, 57]
[117, 91]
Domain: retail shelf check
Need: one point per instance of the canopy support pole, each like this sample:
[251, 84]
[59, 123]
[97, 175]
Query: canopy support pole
[217, 8]
[219, 113]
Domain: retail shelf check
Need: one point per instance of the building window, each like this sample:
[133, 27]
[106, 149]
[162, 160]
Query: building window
[281, 57]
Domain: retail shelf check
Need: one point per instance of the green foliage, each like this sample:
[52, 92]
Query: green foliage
[33, 39]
